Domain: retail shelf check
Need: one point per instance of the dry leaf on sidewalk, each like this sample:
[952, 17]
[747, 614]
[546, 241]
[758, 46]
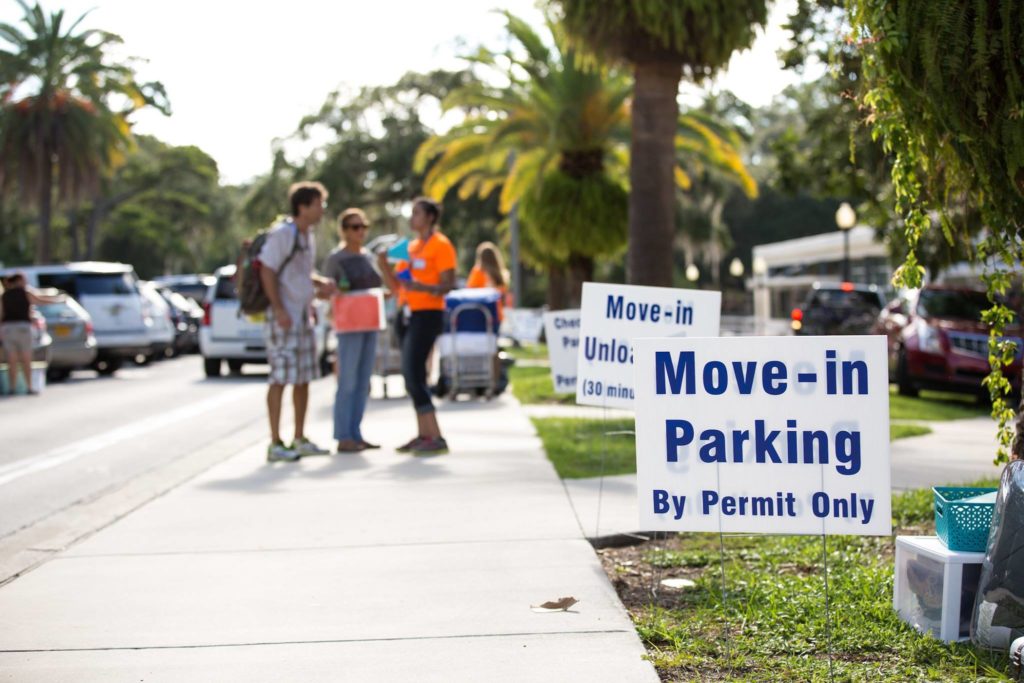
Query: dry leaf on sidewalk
[560, 605]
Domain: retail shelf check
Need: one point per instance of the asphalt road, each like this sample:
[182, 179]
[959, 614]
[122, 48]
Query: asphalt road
[86, 437]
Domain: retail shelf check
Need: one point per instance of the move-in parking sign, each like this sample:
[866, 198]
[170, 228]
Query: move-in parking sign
[614, 315]
[562, 332]
[763, 434]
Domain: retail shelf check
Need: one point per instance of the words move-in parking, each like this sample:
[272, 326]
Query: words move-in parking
[763, 434]
[562, 332]
[614, 315]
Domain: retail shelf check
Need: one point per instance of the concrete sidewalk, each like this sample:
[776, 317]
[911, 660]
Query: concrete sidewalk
[367, 567]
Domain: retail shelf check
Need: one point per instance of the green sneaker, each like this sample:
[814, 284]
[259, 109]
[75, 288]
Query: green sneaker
[304, 447]
[278, 452]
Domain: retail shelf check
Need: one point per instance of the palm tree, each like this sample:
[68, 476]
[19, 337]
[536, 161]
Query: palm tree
[555, 141]
[549, 139]
[64, 109]
[661, 40]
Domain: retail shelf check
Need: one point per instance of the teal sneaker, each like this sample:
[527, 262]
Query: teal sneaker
[306, 447]
[278, 452]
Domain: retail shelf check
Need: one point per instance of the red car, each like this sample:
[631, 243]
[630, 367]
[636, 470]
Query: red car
[937, 341]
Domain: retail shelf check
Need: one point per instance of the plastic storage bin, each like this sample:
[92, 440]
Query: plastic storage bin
[934, 587]
[962, 524]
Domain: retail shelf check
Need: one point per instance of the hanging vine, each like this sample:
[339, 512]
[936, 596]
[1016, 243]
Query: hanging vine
[944, 87]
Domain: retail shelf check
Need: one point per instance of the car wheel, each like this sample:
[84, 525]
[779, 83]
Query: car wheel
[212, 367]
[234, 366]
[106, 368]
[57, 374]
[904, 384]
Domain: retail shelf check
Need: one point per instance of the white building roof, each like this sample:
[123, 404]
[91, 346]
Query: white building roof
[821, 248]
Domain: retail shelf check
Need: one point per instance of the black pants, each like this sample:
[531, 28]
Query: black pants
[423, 330]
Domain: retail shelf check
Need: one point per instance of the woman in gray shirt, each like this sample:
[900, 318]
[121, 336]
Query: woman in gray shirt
[349, 266]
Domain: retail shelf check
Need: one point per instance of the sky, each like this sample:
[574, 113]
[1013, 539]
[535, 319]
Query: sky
[240, 74]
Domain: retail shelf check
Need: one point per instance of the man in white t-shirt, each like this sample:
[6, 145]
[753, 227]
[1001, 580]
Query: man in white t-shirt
[287, 274]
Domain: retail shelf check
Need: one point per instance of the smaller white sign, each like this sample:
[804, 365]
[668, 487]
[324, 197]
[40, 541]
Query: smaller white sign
[613, 315]
[562, 331]
[772, 435]
[523, 324]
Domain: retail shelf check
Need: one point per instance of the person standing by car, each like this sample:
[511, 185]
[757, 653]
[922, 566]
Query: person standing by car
[432, 275]
[16, 328]
[350, 266]
[290, 283]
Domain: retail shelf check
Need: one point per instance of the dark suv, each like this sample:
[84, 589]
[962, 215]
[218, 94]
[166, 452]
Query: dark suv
[937, 341]
[843, 308]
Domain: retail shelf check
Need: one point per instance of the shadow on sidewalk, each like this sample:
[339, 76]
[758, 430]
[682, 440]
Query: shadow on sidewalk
[265, 476]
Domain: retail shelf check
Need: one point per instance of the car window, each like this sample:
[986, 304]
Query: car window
[52, 311]
[953, 305]
[837, 298]
[226, 288]
[77, 284]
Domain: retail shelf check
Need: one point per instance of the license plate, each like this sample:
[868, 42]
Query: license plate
[62, 330]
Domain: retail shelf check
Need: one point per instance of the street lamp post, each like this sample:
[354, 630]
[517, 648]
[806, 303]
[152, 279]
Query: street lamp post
[846, 218]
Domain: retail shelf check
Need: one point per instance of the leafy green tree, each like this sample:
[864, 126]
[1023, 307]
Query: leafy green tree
[945, 86]
[64, 111]
[551, 137]
[662, 41]
[166, 213]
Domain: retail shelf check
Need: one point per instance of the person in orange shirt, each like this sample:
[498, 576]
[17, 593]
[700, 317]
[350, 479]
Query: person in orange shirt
[431, 263]
[489, 271]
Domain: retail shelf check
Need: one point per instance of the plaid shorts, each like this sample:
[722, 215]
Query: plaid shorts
[291, 353]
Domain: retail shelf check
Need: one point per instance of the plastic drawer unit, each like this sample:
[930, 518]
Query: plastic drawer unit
[935, 587]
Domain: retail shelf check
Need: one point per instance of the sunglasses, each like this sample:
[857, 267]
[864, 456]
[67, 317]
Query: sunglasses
[357, 226]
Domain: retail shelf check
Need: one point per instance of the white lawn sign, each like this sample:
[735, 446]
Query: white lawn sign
[777, 435]
[562, 332]
[614, 315]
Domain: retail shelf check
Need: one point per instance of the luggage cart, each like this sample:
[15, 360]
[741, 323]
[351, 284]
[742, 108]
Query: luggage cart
[469, 346]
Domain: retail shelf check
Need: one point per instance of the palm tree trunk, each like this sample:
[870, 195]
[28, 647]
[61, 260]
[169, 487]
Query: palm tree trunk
[45, 212]
[652, 197]
[558, 290]
[581, 269]
[76, 253]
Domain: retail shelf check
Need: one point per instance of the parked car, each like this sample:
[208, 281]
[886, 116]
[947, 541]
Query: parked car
[228, 335]
[192, 286]
[159, 325]
[187, 316]
[74, 344]
[936, 340]
[842, 308]
[110, 293]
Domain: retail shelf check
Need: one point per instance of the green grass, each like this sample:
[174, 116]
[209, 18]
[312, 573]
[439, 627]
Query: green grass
[528, 352]
[903, 431]
[770, 622]
[581, 447]
[532, 384]
[934, 406]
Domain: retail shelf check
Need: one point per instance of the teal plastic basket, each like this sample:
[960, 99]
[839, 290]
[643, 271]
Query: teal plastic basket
[962, 525]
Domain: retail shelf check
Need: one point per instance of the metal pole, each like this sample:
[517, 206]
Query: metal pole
[517, 273]
[846, 255]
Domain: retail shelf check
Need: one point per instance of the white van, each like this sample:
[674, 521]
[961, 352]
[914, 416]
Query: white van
[110, 293]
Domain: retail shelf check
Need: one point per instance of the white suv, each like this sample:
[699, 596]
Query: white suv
[228, 335]
[110, 293]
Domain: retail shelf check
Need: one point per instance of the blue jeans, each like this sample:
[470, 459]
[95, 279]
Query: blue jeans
[356, 352]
